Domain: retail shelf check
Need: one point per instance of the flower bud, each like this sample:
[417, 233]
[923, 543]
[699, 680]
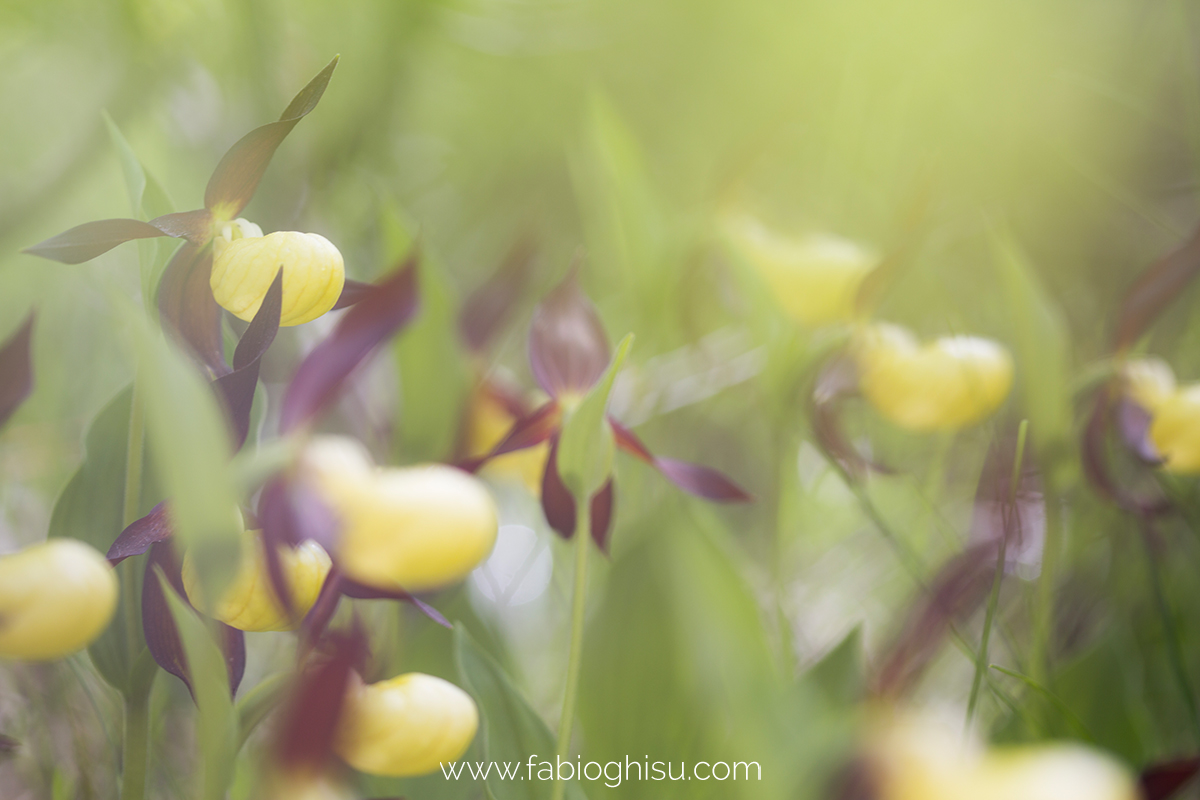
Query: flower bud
[943, 385]
[55, 598]
[250, 602]
[245, 264]
[405, 726]
[815, 278]
[411, 528]
[488, 422]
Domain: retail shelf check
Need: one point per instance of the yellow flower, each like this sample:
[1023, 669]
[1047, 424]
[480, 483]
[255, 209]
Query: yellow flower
[943, 385]
[815, 278]
[1174, 411]
[919, 758]
[250, 603]
[245, 263]
[55, 598]
[405, 726]
[411, 528]
[488, 422]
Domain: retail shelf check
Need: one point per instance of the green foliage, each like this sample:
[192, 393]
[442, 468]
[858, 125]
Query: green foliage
[585, 449]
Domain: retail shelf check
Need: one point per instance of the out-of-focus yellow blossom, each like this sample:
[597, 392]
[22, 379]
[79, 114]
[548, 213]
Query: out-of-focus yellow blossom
[919, 758]
[405, 726]
[815, 278]
[488, 422]
[245, 263]
[946, 384]
[1174, 411]
[250, 603]
[55, 598]
[411, 528]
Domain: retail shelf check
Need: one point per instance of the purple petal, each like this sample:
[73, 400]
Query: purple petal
[529, 431]
[237, 175]
[187, 308]
[85, 242]
[352, 292]
[1097, 467]
[1133, 425]
[568, 349]
[318, 617]
[195, 226]
[1161, 781]
[370, 323]
[1018, 519]
[1155, 289]
[957, 591]
[291, 513]
[138, 537]
[233, 645]
[836, 381]
[162, 637]
[310, 717]
[16, 369]
[360, 591]
[558, 504]
[489, 307]
[692, 478]
[237, 388]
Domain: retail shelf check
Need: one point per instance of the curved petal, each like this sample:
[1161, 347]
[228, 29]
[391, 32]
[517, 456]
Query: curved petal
[237, 388]
[352, 292]
[1155, 289]
[559, 506]
[1161, 781]
[85, 242]
[694, 479]
[237, 175]
[568, 348]
[141, 534]
[529, 431]
[162, 637]
[291, 513]
[836, 381]
[1096, 463]
[16, 369]
[187, 308]
[371, 322]
[360, 591]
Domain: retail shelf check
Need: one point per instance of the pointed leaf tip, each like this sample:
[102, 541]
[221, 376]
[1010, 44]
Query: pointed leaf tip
[568, 348]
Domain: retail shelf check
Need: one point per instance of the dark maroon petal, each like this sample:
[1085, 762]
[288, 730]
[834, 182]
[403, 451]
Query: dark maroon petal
[162, 637]
[322, 611]
[236, 389]
[1161, 781]
[1155, 289]
[141, 534]
[352, 292]
[85, 242]
[1133, 424]
[568, 349]
[692, 478]
[236, 177]
[16, 369]
[489, 307]
[187, 308]
[233, 645]
[8, 745]
[370, 323]
[361, 591]
[602, 514]
[558, 504]
[956, 592]
[837, 381]
[195, 226]
[310, 717]
[291, 513]
[525, 433]
[1096, 461]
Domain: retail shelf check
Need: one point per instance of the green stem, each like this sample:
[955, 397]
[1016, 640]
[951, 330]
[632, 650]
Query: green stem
[136, 745]
[1043, 620]
[981, 662]
[583, 536]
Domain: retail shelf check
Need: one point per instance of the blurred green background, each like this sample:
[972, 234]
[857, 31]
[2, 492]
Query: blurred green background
[1068, 128]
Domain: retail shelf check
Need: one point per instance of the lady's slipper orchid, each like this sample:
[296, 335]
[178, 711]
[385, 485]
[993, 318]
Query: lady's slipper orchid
[245, 263]
[250, 603]
[1172, 437]
[568, 353]
[410, 528]
[405, 726]
[491, 414]
[917, 758]
[55, 598]
[946, 384]
[815, 278]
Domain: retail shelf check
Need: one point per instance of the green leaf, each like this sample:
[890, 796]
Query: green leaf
[216, 720]
[585, 449]
[259, 702]
[191, 450]
[839, 673]
[512, 731]
[1040, 336]
[90, 509]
